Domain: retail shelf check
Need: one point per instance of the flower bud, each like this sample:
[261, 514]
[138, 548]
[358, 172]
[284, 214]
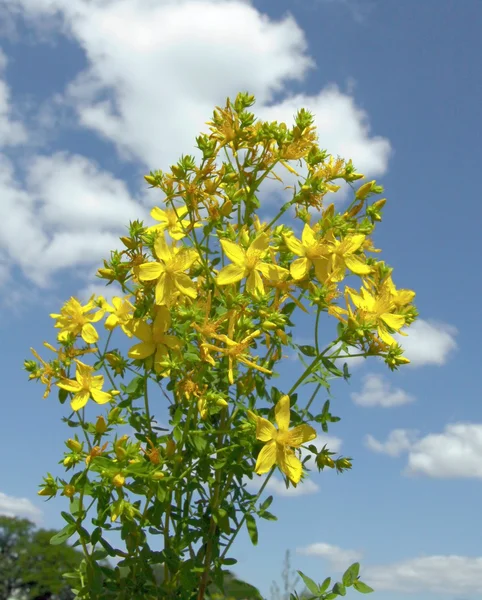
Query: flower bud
[150, 179]
[157, 475]
[69, 491]
[170, 448]
[47, 491]
[101, 425]
[74, 445]
[118, 480]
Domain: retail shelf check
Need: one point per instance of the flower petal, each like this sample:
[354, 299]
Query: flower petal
[185, 285]
[142, 350]
[265, 430]
[299, 435]
[294, 245]
[234, 252]
[266, 458]
[356, 265]
[69, 385]
[230, 274]
[162, 250]
[282, 413]
[89, 334]
[80, 400]
[141, 330]
[289, 464]
[159, 215]
[300, 268]
[150, 271]
[100, 397]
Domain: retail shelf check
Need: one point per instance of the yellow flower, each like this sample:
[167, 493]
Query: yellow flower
[247, 263]
[235, 351]
[170, 271]
[340, 255]
[330, 257]
[85, 386]
[279, 442]
[377, 309]
[171, 220]
[120, 314]
[154, 339]
[310, 249]
[77, 319]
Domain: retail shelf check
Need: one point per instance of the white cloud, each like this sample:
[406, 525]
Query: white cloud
[398, 441]
[338, 558]
[154, 73]
[428, 342]
[69, 214]
[378, 392]
[12, 131]
[448, 574]
[441, 574]
[456, 453]
[156, 70]
[11, 506]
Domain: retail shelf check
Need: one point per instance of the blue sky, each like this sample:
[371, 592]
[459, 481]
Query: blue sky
[95, 94]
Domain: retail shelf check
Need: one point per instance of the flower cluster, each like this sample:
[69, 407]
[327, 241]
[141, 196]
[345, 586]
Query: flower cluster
[208, 303]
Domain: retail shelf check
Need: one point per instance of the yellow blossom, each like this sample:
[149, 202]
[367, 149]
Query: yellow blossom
[172, 221]
[340, 255]
[247, 263]
[120, 314]
[277, 449]
[154, 339]
[310, 249]
[76, 319]
[85, 386]
[377, 309]
[170, 271]
[235, 351]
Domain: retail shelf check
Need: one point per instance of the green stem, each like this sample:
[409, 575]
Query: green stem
[311, 368]
[241, 523]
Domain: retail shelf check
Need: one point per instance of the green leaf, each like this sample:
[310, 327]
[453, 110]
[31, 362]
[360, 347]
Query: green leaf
[252, 529]
[268, 516]
[266, 503]
[362, 587]
[351, 574]
[310, 584]
[339, 589]
[67, 517]
[229, 561]
[307, 350]
[324, 586]
[63, 535]
[63, 394]
[108, 548]
[331, 367]
[135, 385]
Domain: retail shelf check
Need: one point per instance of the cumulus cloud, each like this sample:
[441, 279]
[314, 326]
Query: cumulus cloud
[68, 214]
[450, 574]
[442, 574]
[11, 506]
[154, 73]
[453, 454]
[338, 558]
[376, 391]
[12, 131]
[428, 343]
[398, 441]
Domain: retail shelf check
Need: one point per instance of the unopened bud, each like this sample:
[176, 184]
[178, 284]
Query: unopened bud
[69, 491]
[101, 425]
[170, 448]
[74, 445]
[118, 480]
[150, 179]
